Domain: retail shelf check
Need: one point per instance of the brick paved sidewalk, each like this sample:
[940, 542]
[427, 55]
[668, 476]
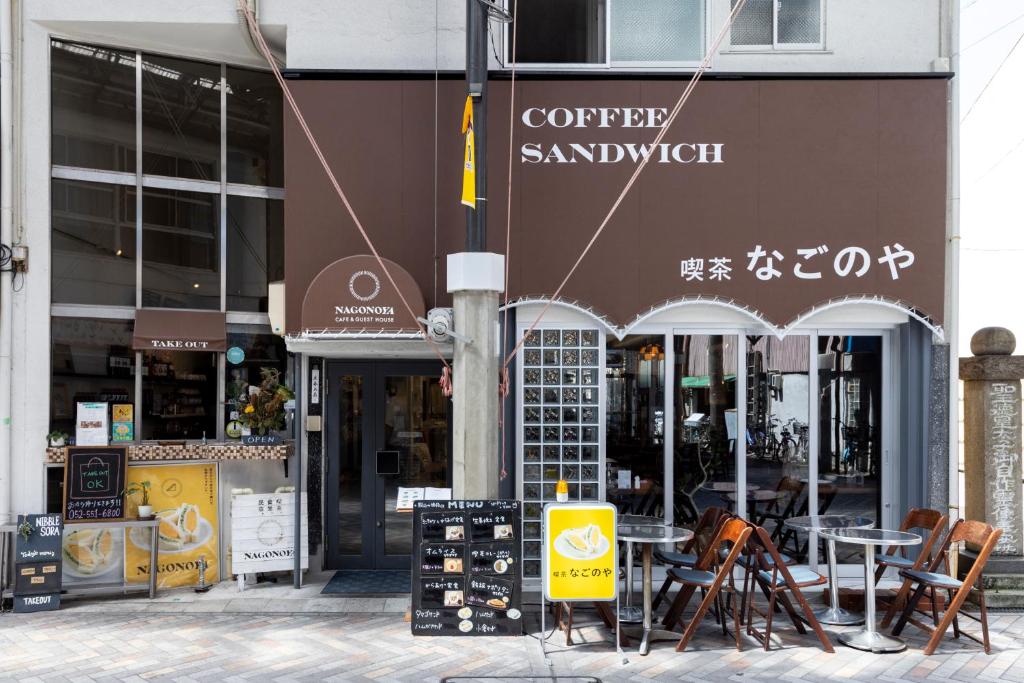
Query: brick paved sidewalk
[86, 644]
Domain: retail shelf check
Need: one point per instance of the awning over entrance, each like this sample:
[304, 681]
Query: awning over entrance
[179, 330]
[354, 296]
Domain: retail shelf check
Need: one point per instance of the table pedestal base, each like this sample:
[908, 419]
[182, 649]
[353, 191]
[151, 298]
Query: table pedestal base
[649, 635]
[872, 641]
[630, 615]
[837, 616]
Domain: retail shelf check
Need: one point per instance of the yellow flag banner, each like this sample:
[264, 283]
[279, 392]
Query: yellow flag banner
[469, 161]
[184, 498]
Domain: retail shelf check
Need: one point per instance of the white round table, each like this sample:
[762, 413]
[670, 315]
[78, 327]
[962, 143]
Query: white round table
[868, 638]
[647, 536]
[833, 615]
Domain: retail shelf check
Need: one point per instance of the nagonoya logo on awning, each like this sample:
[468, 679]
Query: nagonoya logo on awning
[364, 285]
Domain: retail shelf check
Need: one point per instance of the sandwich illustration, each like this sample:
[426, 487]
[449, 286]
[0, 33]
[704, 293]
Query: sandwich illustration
[582, 543]
[179, 527]
[89, 551]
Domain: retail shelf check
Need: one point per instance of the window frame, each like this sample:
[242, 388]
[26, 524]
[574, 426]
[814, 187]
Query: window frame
[775, 45]
[608, 64]
[141, 181]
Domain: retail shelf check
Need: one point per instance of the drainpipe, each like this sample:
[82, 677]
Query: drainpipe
[6, 238]
[953, 276]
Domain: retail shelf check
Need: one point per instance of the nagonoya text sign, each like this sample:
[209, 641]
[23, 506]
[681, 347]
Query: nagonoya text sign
[579, 561]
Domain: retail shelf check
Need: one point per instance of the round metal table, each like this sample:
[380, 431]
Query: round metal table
[628, 613]
[868, 638]
[833, 615]
[647, 536]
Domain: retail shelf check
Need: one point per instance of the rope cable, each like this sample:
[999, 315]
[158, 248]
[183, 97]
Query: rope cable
[268, 56]
[704, 64]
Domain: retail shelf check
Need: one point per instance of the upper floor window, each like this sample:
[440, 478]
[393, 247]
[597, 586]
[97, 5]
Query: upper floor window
[198, 201]
[607, 33]
[778, 24]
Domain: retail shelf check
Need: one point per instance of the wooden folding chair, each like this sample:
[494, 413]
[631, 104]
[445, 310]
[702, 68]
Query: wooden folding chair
[976, 534]
[767, 567]
[709, 574]
[917, 518]
[705, 529]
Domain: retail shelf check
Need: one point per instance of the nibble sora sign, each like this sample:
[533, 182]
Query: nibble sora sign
[579, 560]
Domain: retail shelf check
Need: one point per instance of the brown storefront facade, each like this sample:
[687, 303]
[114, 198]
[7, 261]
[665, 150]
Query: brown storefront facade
[766, 304]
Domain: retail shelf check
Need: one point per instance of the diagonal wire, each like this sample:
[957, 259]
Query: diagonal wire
[992, 77]
[265, 49]
[990, 34]
[705, 63]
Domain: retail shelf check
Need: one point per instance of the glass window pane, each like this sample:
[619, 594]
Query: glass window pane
[180, 249]
[657, 30]
[635, 380]
[93, 107]
[415, 425]
[563, 32]
[704, 431]
[255, 234]
[753, 25]
[799, 21]
[179, 395]
[255, 139]
[350, 473]
[850, 429]
[180, 118]
[92, 361]
[93, 243]
[777, 433]
[261, 349]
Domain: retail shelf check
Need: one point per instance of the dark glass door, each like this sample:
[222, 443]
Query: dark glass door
[388, 426]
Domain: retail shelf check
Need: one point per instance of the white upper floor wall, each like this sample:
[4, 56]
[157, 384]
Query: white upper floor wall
[855, 36]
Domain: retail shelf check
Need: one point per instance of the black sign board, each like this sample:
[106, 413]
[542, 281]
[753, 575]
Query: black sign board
[37, 562]
[94, 480]
[467, 568]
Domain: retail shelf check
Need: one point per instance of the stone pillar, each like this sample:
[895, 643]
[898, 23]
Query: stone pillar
[475, 280]
[992, 436]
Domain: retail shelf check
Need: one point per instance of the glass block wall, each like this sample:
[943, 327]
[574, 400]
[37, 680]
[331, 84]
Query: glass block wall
[560, 426]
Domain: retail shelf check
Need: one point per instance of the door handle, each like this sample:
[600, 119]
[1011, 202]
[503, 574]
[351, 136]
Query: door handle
[379, 524]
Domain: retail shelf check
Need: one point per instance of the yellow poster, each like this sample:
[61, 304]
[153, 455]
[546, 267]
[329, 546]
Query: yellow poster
[469, 160]
[580, 561]
[184, 499]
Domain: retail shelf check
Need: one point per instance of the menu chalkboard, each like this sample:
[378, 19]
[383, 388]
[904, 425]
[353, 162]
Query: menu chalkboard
[467, 568]
[94, 480]
[37, 563]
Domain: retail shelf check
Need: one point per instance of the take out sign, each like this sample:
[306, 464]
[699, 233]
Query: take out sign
[579, 560]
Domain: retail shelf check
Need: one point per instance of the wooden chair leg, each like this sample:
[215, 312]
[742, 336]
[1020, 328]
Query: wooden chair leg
[662, 594]
[984, 620]
[736, 621]
[951, 611]
[956, 621]
[678, 605]
[878, 573]
[909, 609]
[720, 608]
[702, 610]
[933, 596]
[901, 596]
[809, 617]
[768, 620]
[793, 616]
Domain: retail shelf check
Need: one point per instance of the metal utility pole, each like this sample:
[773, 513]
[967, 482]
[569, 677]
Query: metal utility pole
[476, 87]
[475, 279]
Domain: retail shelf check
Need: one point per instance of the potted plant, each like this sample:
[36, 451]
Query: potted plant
[261, 409]
[57, 439]
[145, 510]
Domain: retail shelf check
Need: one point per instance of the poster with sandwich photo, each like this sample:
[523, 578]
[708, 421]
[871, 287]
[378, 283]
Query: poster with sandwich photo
[184, 500]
